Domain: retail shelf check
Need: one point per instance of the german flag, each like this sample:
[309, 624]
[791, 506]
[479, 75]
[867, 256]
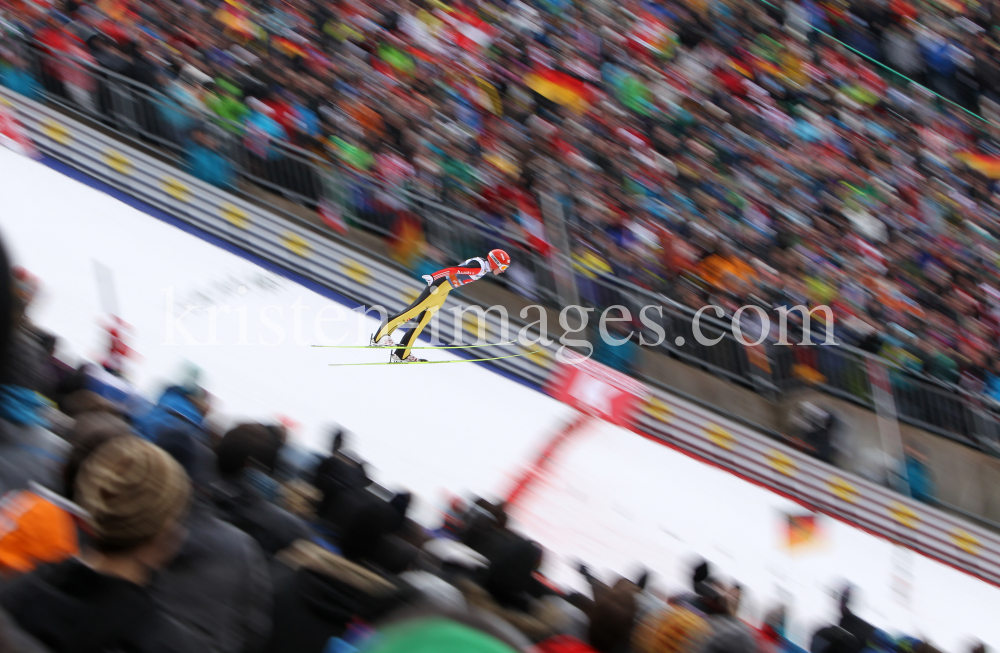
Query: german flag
[982, 163]
[408, 240]
[288, 48]
[560, 88]
[738, 67]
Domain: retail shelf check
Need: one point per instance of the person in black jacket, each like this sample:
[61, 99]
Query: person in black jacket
[219, 585]
[340, 478]
[246, 451]
[137, 496]
[318, 594]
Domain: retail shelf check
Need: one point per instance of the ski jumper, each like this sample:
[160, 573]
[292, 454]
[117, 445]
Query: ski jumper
[430, 301]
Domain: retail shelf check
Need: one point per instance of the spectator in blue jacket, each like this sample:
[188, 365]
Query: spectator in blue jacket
[179, 408]
[201, 153]
[623, 357]
[261, 129]
[15, 75]
[918, 474]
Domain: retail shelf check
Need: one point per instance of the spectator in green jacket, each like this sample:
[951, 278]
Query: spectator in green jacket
[224, 101]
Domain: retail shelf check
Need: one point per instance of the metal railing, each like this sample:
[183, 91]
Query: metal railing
[147, 116]
[143, 115]
[839, 370]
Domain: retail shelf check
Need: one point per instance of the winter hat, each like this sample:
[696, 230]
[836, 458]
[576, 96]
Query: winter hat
[674, 630]
[132, 490]
[435, 635]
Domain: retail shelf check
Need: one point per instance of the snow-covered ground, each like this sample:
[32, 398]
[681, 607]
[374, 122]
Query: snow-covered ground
[613, 499]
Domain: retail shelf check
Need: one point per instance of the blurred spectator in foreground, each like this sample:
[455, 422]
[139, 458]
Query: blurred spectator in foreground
[318, 593]
[441, 633]
[28, 451]
[137, 496]
[720, 604]
[246, 450]
[675, 629]
[341, 479]
[218, 585]
[40, 526]
[179, 407]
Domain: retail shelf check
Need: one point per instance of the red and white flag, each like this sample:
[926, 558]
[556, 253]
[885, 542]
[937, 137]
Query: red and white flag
[332, 216]
[532, 224]
[13, 136]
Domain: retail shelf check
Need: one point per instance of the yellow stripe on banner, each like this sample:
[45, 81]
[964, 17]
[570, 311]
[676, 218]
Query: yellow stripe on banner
[782, 463]
[358, 273]
[296, 244]
[475, 326]
[409, 295]
[720, 437]
[842, 489]
[235, 215]
[176, 189]
[540, 357]
[966, 541]
[56, 132]
[659, 410]
[118, 162]
[904, 515]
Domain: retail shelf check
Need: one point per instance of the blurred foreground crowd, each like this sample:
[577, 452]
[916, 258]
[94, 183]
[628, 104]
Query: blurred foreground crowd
[132, 526]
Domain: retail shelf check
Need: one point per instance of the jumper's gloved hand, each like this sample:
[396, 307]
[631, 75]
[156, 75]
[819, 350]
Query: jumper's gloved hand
[428, 278]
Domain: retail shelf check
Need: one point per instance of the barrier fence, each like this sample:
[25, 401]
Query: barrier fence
[771, 369]
[144, 116]
[304, 176]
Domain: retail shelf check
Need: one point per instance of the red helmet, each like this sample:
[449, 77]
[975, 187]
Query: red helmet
[499, 260]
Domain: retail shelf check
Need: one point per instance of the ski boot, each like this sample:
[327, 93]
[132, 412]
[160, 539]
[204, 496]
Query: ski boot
[386, 341]
[393, 358]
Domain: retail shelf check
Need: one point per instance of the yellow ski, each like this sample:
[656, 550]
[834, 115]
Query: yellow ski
[392, 347]
[461, 360]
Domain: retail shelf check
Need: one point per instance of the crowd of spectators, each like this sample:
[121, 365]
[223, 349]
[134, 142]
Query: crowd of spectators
[145, 530]
[723, 151]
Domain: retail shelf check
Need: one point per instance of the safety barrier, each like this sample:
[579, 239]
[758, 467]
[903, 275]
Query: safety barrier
[840, 370]
[822, 487]
[144, 116]
[371, 281]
